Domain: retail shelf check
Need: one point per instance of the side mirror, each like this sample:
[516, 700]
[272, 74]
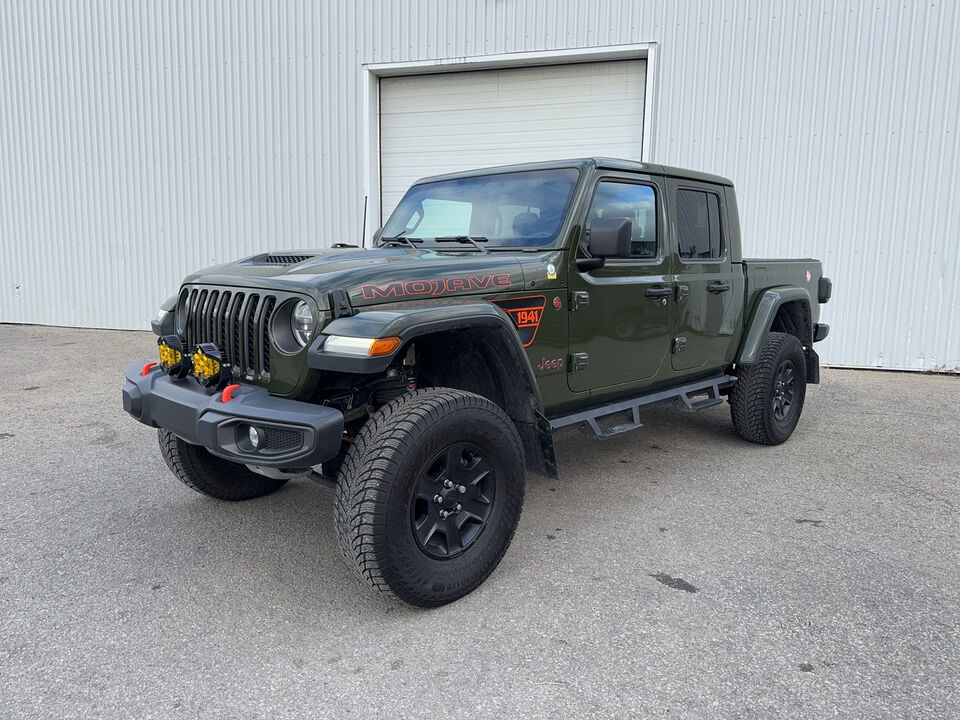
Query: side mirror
[610, 237]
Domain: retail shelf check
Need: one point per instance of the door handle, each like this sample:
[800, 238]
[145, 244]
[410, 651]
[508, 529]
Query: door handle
[718, 287]
[658, 292]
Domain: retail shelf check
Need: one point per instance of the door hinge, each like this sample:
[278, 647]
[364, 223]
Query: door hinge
[579, 299]
[578, 361]
[679, 345]
[682, 292]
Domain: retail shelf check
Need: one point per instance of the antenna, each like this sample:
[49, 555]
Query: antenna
[363, 235]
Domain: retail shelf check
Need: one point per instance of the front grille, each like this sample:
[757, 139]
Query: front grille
[238, 322]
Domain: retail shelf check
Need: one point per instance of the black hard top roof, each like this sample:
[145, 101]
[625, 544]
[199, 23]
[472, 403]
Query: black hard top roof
[589, 163]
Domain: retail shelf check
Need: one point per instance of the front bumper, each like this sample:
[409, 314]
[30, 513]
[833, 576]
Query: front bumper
[296, 434]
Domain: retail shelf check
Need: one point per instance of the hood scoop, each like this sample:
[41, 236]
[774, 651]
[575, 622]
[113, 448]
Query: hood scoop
[277, 259]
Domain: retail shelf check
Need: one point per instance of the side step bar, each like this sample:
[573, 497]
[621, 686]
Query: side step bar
[684, 395]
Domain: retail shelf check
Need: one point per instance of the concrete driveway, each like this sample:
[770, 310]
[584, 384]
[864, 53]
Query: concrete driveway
[674, 571]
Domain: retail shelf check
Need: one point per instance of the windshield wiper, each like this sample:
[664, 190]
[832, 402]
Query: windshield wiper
[474, 240]
[400, 240]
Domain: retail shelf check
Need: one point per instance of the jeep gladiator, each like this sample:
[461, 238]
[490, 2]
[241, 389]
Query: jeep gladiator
[422, 376]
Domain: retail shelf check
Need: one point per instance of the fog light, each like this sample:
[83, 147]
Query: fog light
[209, 367]
[254, 435]
[173, 361]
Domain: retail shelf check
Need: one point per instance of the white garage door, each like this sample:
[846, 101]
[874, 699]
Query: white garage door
[432, 124]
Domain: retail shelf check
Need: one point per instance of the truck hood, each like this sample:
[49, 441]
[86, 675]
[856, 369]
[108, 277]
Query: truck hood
[374, 276]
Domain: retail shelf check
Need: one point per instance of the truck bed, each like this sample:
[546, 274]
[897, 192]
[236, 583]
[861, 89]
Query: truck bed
[762, 274]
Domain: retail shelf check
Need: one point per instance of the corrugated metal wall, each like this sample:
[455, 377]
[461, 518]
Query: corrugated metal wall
[139, 141]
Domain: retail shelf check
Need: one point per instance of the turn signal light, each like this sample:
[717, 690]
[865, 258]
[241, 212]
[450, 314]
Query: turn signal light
[384, 346]
[208, 366]
[173, 360]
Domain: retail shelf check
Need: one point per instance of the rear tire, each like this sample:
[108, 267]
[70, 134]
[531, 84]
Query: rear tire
[196, 468]
[429, 452]
[767, 399]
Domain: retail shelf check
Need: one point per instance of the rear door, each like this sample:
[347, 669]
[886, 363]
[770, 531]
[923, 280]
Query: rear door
[620, 313]
[707, 290]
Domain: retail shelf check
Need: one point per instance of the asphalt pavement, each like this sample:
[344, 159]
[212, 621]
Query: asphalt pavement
[674, 571]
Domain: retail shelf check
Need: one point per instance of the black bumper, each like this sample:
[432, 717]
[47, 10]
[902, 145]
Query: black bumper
[294, 434]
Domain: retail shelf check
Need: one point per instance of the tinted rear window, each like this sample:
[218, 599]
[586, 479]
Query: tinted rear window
[698, 225]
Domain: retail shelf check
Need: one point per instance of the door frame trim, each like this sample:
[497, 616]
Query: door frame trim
[372, 72]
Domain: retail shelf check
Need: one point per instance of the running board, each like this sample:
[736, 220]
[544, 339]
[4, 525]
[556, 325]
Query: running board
[683, 394]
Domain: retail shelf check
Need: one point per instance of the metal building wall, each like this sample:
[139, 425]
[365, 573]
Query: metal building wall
[141, 141]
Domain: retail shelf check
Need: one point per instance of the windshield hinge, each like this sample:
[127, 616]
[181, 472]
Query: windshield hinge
[340, 302]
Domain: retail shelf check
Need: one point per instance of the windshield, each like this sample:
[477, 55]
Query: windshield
[517, 209]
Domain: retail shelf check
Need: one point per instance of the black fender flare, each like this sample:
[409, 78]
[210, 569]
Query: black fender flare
[410, 324]
[761, 319]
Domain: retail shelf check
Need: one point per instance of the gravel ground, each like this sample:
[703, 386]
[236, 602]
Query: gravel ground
[673, 571]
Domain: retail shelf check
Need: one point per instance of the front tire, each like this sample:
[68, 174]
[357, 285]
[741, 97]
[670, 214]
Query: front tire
[767, 399]
[196, 468]
[429, 495]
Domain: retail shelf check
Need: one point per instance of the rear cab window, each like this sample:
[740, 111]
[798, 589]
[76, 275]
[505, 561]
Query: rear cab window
[699, 234]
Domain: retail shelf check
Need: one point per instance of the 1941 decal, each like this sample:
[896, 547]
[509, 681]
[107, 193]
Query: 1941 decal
[526, 313]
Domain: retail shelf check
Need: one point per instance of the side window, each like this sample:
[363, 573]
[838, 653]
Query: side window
[636, 203]
[698, 225]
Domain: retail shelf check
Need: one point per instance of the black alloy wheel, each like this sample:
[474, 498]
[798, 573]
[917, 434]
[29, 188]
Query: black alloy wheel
[452, 500]
[784, 390]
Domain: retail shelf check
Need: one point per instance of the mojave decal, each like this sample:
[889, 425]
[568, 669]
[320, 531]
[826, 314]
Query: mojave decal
[436, 286]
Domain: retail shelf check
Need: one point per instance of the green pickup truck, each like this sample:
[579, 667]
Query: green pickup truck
[422, 377]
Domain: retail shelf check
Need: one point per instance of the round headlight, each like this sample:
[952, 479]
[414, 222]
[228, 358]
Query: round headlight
[301, 323]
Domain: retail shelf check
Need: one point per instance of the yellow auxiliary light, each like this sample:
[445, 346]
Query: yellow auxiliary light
[209, 367]
[173, 361]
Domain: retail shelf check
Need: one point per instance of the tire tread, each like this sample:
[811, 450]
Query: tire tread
[196, 468]
[749, 397]
[373, 461]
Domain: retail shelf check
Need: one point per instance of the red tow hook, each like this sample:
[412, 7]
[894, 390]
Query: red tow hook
[227, 394]
[146, 369]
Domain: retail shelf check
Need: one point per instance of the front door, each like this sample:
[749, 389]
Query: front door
[708, 291]
[620, 314]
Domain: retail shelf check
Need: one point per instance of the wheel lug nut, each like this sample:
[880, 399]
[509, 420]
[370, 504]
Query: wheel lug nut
[461, 489]
[444, 513]
[448, 483]
[458, 506]
[437, 499]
